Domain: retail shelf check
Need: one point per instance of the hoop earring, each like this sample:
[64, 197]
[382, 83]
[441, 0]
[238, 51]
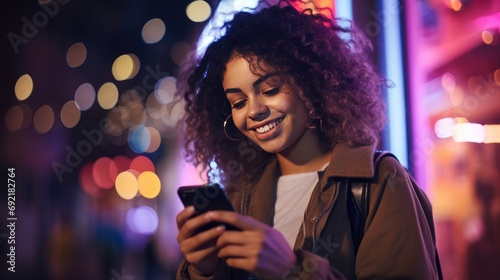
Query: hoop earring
[310, 125]
[313, 124]
[226, 132]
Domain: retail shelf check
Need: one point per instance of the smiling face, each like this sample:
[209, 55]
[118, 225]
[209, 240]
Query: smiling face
[266, 110]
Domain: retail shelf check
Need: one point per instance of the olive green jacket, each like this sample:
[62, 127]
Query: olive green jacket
[398, 242]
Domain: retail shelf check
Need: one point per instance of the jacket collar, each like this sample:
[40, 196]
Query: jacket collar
[352, 162]
[345, 162]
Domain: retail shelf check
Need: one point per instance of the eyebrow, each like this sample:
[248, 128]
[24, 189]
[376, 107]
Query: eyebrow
[254, 84]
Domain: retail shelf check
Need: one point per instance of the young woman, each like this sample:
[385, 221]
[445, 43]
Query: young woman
[290, 112]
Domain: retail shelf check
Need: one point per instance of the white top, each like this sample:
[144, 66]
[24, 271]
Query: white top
[293, 194]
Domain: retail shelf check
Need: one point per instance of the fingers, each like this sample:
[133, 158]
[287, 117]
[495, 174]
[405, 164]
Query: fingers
[192, 225]
[240, 238]
[235, 244]
[184, 215]
[240, 221]
[200, 250]
[238, 251]
[201, 241]
[197, 256]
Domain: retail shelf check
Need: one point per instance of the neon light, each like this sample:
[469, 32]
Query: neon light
[343, 9]
[398, 142]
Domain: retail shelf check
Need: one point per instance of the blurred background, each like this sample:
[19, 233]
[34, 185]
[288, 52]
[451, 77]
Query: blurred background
[93, 159]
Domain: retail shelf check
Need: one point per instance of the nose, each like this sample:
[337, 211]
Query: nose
[257, 109]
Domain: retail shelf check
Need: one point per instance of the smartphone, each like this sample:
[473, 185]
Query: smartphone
[206, 198]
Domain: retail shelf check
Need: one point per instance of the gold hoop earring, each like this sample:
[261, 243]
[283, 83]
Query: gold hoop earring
[310, 125]
[225, 129]
[313, 123]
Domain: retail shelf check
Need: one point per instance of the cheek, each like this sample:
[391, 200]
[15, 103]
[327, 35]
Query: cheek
[239, 120]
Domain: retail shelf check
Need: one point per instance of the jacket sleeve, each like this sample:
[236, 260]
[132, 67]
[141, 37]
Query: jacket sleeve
[399, 240]
[185, 271]
[312, 267]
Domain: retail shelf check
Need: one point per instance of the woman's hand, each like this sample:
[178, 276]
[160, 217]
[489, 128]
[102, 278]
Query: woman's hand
[199, 248]
[258, 248]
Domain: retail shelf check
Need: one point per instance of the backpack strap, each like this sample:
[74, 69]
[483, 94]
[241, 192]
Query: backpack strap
[358, 195]
[357, 206]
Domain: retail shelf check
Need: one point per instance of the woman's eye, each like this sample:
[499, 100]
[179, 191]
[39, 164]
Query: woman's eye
[272, 91]
[239, 104]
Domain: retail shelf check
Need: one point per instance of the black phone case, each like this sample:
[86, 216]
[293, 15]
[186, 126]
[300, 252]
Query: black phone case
[206, 198]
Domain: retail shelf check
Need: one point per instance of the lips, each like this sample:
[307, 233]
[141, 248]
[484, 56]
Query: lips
[265, 128]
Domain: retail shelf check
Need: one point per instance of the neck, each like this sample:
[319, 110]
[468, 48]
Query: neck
[288, 167]
[303, 158]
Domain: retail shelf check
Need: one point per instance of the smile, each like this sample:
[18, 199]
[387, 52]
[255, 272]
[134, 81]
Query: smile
[269, 126]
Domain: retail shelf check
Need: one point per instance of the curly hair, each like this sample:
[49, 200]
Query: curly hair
[332, 75]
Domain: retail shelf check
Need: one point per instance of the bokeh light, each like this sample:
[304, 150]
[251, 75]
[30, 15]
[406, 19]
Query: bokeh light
[122, 163]
[444, 128]
[198, 11]
[76, 55]
[448, 81]
[131, 95]
[70, 114]
[457, 96]
[473, 229]
[87, 182]
[104, 172]
[14, 118]
[469, 132]
[23, 87]
[132, 109]
[474, 85]
[153, 31]
[126, 185]
[107, 96]
[125, 67]
[165, 89]
[149, 184]
[28, 115]
[455, 5]
[155, 141]
[142, 220]
[154, 109]
[85, 96]
[139, 139]
[487, 37]
[463, 131]
[141, 164]
[43, 120]
[175, 113]
[491, 133]
[113, 123]
[496, 76]
[180, 51]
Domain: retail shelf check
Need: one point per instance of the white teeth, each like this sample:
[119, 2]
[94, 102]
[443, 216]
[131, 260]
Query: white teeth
[268, 127]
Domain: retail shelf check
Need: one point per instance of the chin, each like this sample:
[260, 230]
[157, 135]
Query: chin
[272, 149]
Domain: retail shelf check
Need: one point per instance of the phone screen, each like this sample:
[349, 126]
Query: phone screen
[206, 198]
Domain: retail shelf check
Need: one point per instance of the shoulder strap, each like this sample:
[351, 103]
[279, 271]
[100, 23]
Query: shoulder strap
[357, 207]
[358, 199]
